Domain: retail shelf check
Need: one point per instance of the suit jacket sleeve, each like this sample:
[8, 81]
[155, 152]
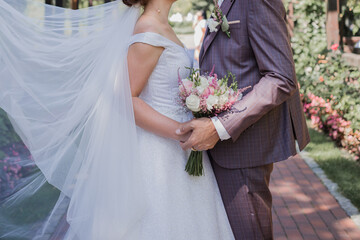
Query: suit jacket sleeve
[270, 43]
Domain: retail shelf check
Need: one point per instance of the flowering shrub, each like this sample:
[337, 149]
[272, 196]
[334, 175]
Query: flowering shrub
[13, 167]
[13, 154]
[332, 79]
[324, 117]
[329, 86]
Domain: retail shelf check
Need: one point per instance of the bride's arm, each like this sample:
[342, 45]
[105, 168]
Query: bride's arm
[142, 59]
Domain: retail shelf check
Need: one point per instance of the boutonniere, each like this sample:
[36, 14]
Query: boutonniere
[218, 18]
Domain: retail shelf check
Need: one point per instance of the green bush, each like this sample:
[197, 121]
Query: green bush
[351, 18]
[7, 133]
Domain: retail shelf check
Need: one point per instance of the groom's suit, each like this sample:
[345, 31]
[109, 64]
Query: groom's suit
[264, 125]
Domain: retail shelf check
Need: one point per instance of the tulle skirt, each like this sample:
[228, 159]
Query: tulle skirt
[179, 206]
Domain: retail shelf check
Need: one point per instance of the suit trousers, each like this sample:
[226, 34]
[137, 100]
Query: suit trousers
[247, 200]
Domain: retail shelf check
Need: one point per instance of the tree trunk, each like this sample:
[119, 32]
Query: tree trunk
[106, 1]
[75, 4]
[90, 3]
[290, 18]
[332, 22]
[48, 2]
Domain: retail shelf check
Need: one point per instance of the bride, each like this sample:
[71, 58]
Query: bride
[93, 95]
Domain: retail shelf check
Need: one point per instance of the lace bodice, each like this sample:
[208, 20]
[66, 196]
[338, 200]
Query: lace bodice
[162, 90]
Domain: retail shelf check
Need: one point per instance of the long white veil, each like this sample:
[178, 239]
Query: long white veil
[64, 85]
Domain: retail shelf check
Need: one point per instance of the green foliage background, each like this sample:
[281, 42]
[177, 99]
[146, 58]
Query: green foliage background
[353, 7]
[7, 133]
[319, 70]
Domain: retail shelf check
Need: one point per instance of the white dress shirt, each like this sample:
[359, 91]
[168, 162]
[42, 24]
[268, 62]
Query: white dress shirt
[220, 129]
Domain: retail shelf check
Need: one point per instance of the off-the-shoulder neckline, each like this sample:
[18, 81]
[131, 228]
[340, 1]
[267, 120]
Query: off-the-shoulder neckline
[171, 41]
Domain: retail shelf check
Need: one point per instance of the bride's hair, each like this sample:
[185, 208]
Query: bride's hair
[130, 3]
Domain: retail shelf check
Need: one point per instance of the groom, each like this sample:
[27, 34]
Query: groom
[261, 129]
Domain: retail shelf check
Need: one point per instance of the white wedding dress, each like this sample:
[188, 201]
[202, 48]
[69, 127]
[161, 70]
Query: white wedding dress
[65, 87]
[180, 206]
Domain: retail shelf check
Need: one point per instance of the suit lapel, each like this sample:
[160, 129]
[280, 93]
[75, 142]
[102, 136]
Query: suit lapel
[209, 37]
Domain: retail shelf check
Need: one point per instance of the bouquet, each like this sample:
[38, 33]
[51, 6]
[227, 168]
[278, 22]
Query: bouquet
[207, 96]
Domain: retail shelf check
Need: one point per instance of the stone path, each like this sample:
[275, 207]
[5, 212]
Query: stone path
[303, 208]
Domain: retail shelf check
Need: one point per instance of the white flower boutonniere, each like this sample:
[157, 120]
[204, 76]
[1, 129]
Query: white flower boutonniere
[212, 25]
[218, 18]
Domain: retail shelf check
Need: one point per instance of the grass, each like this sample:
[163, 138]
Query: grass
[337, 164]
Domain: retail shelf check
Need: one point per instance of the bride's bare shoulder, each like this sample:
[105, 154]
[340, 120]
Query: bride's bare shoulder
[147, 24]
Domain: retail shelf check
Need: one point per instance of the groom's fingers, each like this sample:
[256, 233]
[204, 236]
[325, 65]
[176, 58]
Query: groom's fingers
[188, 144]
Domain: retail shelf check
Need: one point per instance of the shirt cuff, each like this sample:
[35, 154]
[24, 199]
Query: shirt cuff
[223, 134]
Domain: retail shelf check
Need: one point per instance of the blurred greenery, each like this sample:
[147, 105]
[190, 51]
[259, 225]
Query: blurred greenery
[181, 6]
[33, 210]
[182, 28]
[186, 6]
[7, 133]
[205, 5]
[350, 16]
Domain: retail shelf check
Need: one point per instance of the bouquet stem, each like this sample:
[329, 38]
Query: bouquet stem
[194, 165]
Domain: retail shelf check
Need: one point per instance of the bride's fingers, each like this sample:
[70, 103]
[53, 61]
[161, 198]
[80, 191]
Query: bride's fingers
[185, 128]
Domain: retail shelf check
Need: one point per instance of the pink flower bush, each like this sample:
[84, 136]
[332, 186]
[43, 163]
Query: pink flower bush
[12, 167]
[335, 47]
[324, 117]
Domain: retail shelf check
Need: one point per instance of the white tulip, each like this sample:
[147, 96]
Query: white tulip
[193, 103]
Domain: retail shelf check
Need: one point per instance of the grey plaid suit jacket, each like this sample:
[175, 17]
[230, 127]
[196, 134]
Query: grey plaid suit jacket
[264, 125]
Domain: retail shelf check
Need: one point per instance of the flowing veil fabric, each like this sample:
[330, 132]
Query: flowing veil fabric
[64, 85]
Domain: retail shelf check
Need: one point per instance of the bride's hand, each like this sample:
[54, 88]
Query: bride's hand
[203, 134]
[183, 137]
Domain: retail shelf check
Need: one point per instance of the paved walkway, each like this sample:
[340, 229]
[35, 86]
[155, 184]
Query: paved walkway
[304, 208]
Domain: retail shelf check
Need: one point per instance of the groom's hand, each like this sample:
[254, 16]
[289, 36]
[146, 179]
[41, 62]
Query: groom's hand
[204, 135]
